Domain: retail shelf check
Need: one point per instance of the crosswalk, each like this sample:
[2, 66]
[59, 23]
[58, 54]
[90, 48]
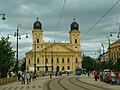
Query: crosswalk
[20, 87]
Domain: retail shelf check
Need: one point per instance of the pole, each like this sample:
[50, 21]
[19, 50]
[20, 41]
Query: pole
[52, 61]
[35, 58]
[17, 50]
[109, 49]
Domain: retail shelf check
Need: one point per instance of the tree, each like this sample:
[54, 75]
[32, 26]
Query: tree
[88, 63]
[6, 56]
[117, 65]
[23, 66]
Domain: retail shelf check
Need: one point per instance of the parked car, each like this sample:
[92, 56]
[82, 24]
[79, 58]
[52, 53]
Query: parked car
[108, 77]
[103, 74]
[113, 78]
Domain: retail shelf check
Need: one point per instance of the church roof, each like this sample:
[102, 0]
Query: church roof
[74, 25]
[37, 25]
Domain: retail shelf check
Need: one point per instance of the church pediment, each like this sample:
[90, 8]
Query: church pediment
[57, 47]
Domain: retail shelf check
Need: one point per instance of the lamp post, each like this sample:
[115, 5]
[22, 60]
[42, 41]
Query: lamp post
[115, 32]
[35, 58]
[118, 35]
[52, 61]
[17, 35]
[103, 48]
[3, 18]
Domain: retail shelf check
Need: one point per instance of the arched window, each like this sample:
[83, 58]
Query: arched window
[37, 40]
[38, 60]
[76, 60]
[68, 67]
[68, 60]
[62, 67]
[29, 61]
[46, 61]
[52, 60]
[57, 60]
[75, 40]
[62, 60]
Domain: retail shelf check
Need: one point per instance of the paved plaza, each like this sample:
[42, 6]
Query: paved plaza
[39, 82]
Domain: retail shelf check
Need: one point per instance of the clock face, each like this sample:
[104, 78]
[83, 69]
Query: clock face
[75, 25]
[37, 24]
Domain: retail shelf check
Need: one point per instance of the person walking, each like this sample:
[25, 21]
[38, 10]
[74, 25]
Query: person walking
[28, 77]
[19, 75]
[51, 75]
[88, 73]
[96, 75]
[23, 78]
[117, 76]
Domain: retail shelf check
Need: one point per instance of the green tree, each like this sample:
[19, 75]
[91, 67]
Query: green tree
[6, 56]
[117, 65]
[89, 63]
[23, 66]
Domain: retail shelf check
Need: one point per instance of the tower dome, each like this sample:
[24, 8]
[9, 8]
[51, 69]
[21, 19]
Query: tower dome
[74, 25]
[37, 25]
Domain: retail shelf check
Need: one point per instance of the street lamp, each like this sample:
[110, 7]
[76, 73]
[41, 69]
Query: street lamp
[52, 61]
[117, 37]
[103, 47]
[115, 32]
[35, 58]
[18, 36]
[3, 18]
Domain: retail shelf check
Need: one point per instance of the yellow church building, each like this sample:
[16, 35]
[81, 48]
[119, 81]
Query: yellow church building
[114, 50]
[54, 56]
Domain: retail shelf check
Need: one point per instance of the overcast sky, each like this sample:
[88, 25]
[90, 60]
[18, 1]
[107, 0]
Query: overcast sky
[86, 12]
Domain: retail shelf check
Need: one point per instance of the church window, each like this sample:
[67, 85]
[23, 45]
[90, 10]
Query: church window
[68, 68]
[46, 61]
[57, 60]
[62, 60]
[29, 61]
[37, 68]
[62, 67]
[52, 60]
[38, 60]
[76, 60]
[68, 60]
[37, 40]
[75, 40]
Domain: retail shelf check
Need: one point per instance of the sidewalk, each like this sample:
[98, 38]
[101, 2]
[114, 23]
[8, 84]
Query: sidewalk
[90, 80]
[38, 84]
[34, 85]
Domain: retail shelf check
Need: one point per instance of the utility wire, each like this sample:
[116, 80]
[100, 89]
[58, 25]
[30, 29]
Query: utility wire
[60, 17]
[101, 18]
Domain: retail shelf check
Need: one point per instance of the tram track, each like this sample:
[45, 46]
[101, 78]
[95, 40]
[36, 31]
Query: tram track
[103, 88]
[65, 83]
[59, 80]
[77, 84]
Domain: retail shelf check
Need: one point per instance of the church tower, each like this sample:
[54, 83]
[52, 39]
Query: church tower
[37, 36]
[75, 36]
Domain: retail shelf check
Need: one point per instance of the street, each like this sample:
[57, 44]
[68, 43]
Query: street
[62, 83]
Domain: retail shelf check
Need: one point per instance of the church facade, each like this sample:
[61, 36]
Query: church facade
[56, 56]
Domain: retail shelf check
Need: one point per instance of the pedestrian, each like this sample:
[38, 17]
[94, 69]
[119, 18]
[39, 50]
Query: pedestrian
[117, 76]
[96, 75]
[51, 75]
[19, 75]
[88, 73]
[33, 76]
[28, 77]
[9, 74]
[23, 78]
